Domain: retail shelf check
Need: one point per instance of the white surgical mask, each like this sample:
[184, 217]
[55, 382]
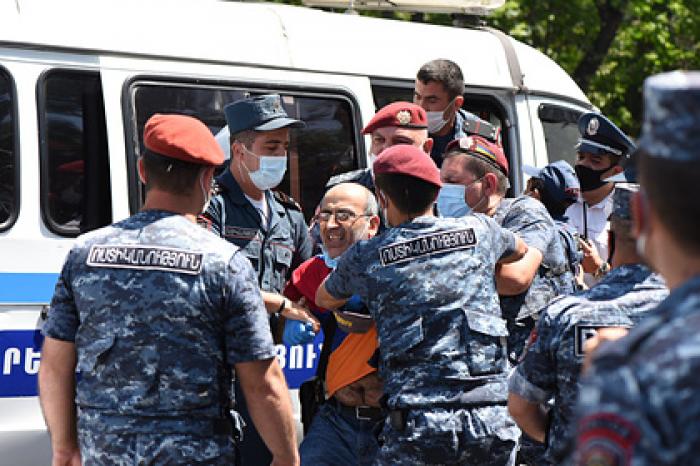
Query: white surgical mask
[270, 171]
[450, 201]
[331, 262]
[437, 120]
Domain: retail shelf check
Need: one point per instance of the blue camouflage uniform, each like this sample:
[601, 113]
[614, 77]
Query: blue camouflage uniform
[274, 252]
[530, 220]
[553, 361]
[159, 310]
[442, 347]
[639, 404]
[466, 124]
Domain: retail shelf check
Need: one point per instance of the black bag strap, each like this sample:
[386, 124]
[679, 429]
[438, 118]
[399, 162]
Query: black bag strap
[329, 326]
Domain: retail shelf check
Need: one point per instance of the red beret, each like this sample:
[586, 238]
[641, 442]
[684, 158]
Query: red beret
[403, 159]
[403, 114]
[182, 137]
[480, 148]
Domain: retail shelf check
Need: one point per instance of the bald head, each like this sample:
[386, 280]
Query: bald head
[348, 213]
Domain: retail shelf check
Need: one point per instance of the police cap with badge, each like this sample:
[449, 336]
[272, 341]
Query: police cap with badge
[398, 114]
[600, 136]
[481, 148]
[259, 113]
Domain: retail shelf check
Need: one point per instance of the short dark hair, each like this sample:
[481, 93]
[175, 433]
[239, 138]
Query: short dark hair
[480, 168]
[671, 189]
[411, 195]
[245, 137]
[445, 72]
[170, 175]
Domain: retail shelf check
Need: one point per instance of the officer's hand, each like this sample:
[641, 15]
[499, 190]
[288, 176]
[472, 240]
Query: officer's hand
[354, 304]
[591, 259]
[298, 333]
[66, 457]
[299, 311]
[603, 335]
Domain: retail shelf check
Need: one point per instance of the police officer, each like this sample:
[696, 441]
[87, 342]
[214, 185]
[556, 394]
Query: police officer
[557, 188]
[439, 89]
[442, 355]
[154, 312]
[396, 123]
[641, 403]
[267, 225]
[553, 362]
[475, 172]
[602, 151]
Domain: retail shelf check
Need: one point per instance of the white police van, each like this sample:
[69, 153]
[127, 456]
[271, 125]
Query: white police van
[78, 80]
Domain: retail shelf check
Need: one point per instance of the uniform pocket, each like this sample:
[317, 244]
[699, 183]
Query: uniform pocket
[486, 343]
[94, 352]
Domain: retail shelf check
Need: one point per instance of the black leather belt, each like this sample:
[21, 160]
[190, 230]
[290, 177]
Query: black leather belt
[361, 413]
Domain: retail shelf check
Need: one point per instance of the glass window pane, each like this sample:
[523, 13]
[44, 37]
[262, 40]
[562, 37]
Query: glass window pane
[75, 160]
[561, 132]
[8, 155]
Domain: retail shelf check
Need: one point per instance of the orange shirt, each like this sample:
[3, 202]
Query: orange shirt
[348, 362]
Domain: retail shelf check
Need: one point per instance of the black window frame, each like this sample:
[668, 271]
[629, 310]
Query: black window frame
[131, 137]
[41, 97]
[14, 214]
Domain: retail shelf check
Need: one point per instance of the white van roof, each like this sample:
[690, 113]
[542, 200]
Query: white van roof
[274, 35]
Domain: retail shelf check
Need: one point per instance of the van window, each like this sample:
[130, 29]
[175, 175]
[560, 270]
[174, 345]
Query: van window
[9, 173]
[561, 132]
[327, 146]
[75, 181]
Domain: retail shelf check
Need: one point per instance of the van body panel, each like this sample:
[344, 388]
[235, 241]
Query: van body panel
[209, 45]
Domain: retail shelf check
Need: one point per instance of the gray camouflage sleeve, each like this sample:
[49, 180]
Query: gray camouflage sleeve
[532, 223]
[349, 276]
[62, 320]
[504, 241]
[248, 336]
[535, 377]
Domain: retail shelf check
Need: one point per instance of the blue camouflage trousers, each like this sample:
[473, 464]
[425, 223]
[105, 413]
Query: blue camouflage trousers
[98, 449]
[476, 436]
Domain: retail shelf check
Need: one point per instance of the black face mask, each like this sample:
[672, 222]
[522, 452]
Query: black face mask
[588, 178]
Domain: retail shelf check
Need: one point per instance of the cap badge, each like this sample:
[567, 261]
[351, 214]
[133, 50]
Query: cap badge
[277, 106]
[593, 126]
[404, 117]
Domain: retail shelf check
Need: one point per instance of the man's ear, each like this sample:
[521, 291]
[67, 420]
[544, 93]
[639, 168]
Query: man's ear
[492, 182]
[141, 171]
[374, 222]
[459, 101]
[428, 145]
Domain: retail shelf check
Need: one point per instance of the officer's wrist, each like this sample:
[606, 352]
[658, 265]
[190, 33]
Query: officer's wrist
[283, 305]
[602, 270]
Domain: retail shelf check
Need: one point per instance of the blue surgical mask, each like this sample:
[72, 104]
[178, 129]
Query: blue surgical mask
[270, 171]
[331, 262]
[450, 201]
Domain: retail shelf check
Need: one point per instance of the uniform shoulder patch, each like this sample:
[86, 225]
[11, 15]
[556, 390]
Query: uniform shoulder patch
[445, 241]
[606, 439]
[145, 258]
[286, 200]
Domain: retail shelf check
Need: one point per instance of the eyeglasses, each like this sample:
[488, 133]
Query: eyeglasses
[341, 216]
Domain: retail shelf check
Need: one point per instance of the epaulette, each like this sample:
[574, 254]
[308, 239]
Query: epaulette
[479, 127]
[286, 200]
[217, 188]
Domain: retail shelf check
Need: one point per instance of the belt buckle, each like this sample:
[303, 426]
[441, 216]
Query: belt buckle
[360, 416]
